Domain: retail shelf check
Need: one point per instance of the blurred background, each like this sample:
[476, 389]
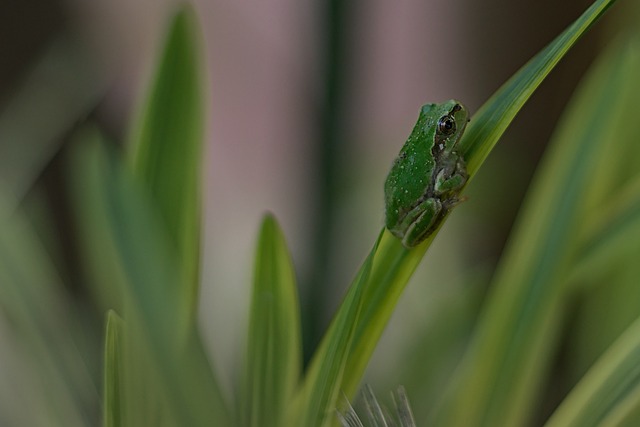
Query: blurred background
[309, 102]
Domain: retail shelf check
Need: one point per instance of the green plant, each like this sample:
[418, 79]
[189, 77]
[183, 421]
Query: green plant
[139, 214]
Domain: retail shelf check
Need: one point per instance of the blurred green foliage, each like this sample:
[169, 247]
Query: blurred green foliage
[138, 216]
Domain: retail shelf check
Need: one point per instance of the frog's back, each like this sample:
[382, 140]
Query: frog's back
[410, 175]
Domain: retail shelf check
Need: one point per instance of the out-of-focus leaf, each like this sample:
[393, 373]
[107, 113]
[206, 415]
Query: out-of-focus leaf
[273, 353]
[606, 271]
[429, 362]
[612, 231]
[499, 382]
[607, 277]
[609, 394]
[166, 146]
[128, 248]
[113, 374]
[57, 390]
[61, 88]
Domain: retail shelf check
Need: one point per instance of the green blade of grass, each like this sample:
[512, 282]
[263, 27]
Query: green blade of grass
[626, 412]
[119, 228]
[166, 146]
[393, 264]
[610, 391]
[606, 269]
[113, 383]
[323, 381]
[392, 268]
[273, 351]
[508, 359]
[493, 118]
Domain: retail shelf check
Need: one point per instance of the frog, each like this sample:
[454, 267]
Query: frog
[426, 178]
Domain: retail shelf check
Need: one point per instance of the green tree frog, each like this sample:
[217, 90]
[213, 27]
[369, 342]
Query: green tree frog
[427, 176]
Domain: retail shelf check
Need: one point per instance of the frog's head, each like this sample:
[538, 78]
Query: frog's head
[448, 121]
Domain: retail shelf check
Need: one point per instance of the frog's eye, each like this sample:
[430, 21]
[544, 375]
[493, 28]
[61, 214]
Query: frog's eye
[446, 125]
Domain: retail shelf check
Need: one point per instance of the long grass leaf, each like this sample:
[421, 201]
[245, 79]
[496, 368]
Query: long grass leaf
[324, 379]
[393, 264]
[392, 268]
[56, 388]
[493, 118]
[273, 353]
[113, 382]
[606, 388]
[517, 332]
[120, 228]
[606, 270]
[166, 146]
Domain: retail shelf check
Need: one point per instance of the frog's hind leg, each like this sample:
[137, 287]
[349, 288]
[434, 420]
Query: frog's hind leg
[426, 217]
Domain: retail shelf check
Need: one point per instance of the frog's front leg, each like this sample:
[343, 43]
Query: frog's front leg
[420, 221]
[450, 179]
